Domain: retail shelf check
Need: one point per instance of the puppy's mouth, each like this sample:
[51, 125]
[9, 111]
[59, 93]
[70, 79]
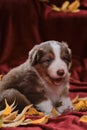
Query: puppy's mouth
[56, 81]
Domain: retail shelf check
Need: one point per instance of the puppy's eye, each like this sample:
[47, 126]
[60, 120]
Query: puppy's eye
[46, 62]
[66, 59]
[65, 55]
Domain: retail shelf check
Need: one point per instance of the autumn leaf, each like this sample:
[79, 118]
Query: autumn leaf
[33, 111]
[83, 118]
[65, 6]
[8, 109]
[74, 5]
[19, 116]
[54, 112]
[80, 104]
[14, 124]
[1, 121]
[42, 120]
[75, 100]
[11, 117]
[55, 8]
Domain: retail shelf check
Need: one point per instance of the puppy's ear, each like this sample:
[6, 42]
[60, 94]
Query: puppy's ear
[64, 44]
[35, 55]
[68, 53]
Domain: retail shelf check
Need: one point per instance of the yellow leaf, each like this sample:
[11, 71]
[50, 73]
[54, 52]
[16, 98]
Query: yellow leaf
[74, 5]
[83, 99]
[19, 116]
[54, 112]
[33, 111]
[10, 117]
[40, 114]
[55, 8]
[7, 109]
[65, 6]
[1, 121]
[75, 100]
[42, 120]
[86, 103]
[83, 118]
[14, 123]
[26, 122]
[75, 11]
[80, 106]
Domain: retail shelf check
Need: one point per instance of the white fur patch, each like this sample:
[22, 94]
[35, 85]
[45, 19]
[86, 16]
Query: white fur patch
[66, 104]
[45, 106]
[58, 63]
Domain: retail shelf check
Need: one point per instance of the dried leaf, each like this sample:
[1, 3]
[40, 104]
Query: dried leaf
[86, 103]
[76, 99]
[54, 112]
[42, 120]
[83, 118]
[26, 122]
[33, 111]
[83, 99]
[8, 109]
[75, 11]
[23, 113]
[11, 117]
[1, 121]
[55, 8]
[13, 106]
[74, 5]
[80, 106]
[14, 124]
[65, 6]
[41, 114]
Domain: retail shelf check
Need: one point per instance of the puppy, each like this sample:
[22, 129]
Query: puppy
[43, 80]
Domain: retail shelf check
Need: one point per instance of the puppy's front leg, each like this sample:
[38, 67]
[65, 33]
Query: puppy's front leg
[45, 106]
[66, 105]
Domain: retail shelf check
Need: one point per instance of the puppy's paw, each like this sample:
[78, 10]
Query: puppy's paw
[68, 109]
[45, 106]
[65, 109]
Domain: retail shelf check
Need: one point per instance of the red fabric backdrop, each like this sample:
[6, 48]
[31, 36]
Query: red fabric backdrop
[25, 23]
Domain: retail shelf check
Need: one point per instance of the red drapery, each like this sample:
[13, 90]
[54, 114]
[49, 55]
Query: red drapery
[25, 23]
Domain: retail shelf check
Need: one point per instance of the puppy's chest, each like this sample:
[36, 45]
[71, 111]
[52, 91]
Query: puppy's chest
[54, 93]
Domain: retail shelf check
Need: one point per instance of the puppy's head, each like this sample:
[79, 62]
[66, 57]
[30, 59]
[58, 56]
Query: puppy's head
[52, 60]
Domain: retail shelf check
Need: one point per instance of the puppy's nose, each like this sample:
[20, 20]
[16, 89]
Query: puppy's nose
[60, 72]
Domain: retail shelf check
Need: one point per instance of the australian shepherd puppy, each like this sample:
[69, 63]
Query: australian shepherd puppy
[43, 80]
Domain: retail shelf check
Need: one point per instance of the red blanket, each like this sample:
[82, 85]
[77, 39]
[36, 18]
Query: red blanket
[25, 23]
